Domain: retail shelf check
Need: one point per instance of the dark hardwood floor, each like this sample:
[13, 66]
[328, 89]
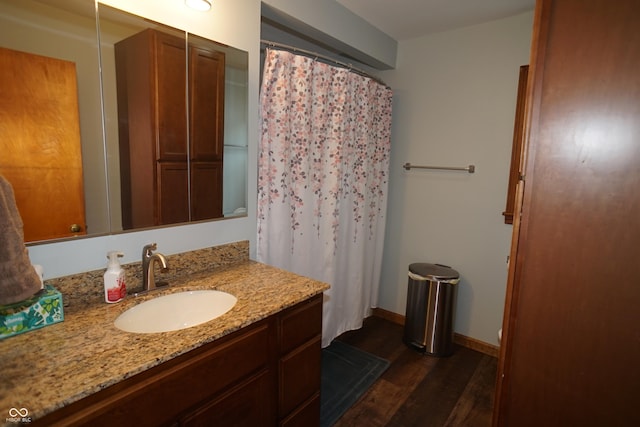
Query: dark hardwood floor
[420, 390]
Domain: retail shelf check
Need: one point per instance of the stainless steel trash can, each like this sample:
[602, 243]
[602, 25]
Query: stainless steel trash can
[431, 301]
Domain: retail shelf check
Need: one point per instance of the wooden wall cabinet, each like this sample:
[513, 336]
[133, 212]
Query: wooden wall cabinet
[570, 344]
[515, 170]
[171, 129]
[266, 374]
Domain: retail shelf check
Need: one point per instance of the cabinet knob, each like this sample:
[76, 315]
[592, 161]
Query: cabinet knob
[75, 228]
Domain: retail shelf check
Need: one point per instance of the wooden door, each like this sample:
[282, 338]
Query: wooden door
[40, 150]
[571, 344]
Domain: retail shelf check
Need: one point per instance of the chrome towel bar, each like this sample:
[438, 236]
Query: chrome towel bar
[470, 168]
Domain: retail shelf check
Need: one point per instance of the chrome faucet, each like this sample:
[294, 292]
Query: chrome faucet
[148, 261]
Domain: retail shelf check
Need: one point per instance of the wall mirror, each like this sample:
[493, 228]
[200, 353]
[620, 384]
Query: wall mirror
[191, 170]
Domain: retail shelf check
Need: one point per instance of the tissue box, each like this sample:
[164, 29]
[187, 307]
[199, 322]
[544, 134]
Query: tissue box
[43, 309]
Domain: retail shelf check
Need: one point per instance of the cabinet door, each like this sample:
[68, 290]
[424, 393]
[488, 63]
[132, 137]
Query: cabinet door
[206, 190]
[300, 376]
[299, 341]
[171, 99]
[206, 96]
[172, 195]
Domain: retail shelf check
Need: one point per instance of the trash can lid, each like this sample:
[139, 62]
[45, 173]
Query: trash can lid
[433, 271]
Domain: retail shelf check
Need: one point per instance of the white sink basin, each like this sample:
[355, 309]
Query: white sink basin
[175, 311]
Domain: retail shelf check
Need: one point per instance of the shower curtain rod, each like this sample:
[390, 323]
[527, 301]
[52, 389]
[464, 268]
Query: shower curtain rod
[350, 67]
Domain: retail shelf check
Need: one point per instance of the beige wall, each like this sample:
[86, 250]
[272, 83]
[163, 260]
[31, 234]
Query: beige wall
[454, 105]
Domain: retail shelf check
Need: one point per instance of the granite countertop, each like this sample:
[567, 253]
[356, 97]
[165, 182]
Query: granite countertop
[46, 369]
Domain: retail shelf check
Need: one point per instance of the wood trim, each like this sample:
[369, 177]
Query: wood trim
[468, 342]
[396, 318]
[477, 345]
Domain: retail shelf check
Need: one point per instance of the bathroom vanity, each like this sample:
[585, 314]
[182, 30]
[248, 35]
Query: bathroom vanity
[265, 374]
[258, 364]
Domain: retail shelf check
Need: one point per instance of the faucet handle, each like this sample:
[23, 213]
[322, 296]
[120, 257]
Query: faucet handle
[147, 249]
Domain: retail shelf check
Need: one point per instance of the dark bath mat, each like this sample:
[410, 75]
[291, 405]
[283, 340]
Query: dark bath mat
[347, 373]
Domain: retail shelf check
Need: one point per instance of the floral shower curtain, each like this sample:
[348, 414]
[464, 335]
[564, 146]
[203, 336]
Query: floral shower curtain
[322, 181]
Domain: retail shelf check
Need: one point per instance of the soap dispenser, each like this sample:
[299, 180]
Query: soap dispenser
[114, 279]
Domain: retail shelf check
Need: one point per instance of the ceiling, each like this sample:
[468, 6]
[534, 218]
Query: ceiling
[407, 19]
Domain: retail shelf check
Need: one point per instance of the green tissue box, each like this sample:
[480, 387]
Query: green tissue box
[43, 309]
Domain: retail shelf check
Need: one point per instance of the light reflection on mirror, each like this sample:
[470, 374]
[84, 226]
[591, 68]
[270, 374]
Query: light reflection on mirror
[42, 27]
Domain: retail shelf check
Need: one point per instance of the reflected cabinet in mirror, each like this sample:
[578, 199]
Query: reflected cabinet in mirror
[160, 134]
[173, 118]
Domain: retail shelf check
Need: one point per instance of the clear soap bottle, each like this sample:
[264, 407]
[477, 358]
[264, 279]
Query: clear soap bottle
[115, 288]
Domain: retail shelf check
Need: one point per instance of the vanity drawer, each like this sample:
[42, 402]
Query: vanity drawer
[246, 404]
[300, 324]
[160, 395]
